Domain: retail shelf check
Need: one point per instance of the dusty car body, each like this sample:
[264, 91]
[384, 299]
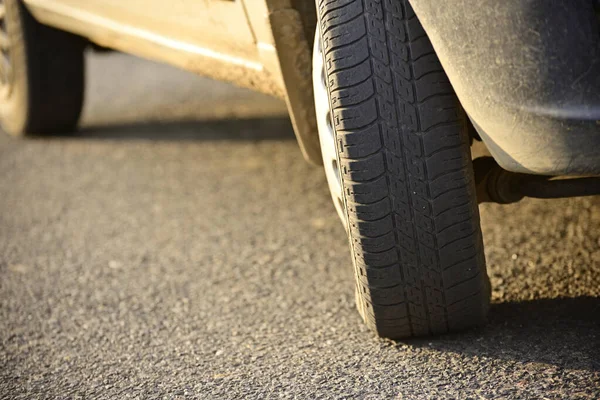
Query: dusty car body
[264, 45]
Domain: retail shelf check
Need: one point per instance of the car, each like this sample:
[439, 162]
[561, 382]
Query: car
[390, 96]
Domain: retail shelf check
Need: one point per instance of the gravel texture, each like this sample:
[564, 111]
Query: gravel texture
[167, 252]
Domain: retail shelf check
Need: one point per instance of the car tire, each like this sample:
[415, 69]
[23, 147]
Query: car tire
[42, 74]
[400, 140]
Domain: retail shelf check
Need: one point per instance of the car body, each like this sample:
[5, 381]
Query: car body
[527, 72]
[264, 45]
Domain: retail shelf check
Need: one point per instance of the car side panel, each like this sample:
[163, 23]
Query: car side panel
[209, 37]
[260, 44]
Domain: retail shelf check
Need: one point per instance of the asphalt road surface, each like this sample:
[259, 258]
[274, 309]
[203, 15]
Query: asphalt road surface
[170, 250]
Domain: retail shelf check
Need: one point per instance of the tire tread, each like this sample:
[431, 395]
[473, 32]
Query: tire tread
[407, 175]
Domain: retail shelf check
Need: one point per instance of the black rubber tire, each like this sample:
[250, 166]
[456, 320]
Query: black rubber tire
[407, 174]
[47, 65]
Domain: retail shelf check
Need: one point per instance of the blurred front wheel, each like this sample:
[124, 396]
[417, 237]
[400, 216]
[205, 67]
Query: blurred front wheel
[41, 74]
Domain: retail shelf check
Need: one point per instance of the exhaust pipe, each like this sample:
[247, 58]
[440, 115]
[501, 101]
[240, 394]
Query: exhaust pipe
[496, 185]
